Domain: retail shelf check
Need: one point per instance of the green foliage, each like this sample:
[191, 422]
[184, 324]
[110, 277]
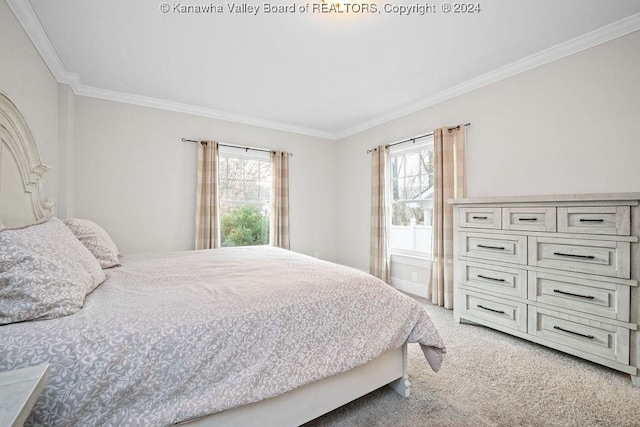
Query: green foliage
[244, 226]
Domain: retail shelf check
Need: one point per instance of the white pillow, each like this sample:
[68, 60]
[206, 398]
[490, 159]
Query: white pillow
[94, 238]
[45, 272]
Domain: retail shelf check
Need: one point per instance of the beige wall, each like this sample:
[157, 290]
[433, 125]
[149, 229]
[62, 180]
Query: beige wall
[133, 175]
[26, 80]
[571, 126]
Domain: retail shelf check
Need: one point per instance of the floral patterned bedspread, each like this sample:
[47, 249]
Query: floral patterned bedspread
[172, 337]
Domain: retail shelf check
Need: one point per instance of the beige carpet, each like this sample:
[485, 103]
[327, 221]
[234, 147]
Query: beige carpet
[492, 379]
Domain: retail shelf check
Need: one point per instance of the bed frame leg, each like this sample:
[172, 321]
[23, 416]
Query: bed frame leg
[402, 386]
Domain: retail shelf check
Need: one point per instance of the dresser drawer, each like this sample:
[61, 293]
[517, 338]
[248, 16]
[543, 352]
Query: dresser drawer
[502, 280]
[492, 311]
[496, 247]
[481, 218]
[600, 298]
[578, 335]
[614, 220]
[529, 219]
[607, 258]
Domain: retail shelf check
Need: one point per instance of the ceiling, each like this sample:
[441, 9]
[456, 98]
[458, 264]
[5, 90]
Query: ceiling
[323, 74]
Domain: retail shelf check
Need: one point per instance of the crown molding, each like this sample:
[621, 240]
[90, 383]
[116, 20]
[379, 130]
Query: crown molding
[28, 19]
[601, 35]
[26, 16]
[145, 101]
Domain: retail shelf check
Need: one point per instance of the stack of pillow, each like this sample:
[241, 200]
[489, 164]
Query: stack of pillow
[47, 269]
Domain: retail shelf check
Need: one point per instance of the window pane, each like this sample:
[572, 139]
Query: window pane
[265, 171]
[399, 214]
[411, 183]
[252, 169]
[244, 225]
[425, 184]
[427, 161]
[234, 168]
[251, 191]
[222, 188]
[245, 186]
[417, 214]
[413, 164]
[222, 167]
[402, 188]
[397, 166]
[413, 188]
[233, 190]
[265, 191]
[395, 190]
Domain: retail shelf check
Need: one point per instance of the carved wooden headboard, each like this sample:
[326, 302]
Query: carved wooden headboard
[21, 200]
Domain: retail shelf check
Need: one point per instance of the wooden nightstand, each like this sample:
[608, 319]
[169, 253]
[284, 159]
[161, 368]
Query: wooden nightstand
[19, 390]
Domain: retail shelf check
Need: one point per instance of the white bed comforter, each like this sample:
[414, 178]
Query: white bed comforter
[173, 337]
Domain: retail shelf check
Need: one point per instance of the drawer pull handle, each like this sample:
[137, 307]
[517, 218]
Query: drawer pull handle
[575, 256]
[591, 220]
[573, 295]
[490, 309]
[479, 217]
[527, 219]
[490, 278]
[574, 333]
[499, 248]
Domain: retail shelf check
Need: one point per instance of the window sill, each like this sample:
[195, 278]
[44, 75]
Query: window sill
[417, 260]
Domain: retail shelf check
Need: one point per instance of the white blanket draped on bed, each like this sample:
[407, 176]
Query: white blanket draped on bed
[172, 337]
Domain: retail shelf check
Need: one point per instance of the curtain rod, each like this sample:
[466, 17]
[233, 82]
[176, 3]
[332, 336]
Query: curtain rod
[233, 146]
[418, 137]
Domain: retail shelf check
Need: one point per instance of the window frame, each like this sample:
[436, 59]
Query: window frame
[244, 154]
[418, 145]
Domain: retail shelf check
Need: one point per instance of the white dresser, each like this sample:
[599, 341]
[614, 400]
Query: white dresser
[561, 271]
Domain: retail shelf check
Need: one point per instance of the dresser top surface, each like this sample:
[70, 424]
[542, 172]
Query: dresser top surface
[558, 198]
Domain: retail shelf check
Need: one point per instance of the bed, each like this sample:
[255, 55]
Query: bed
[213, 337]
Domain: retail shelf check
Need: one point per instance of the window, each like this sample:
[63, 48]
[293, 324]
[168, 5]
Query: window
[244, 180]
[411, 197]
